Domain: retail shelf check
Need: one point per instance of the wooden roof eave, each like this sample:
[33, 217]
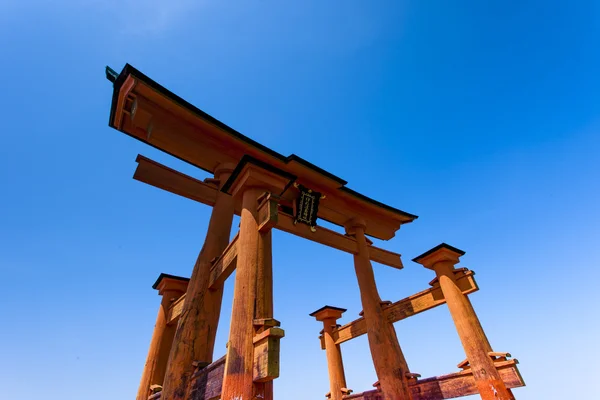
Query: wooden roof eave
[150, 113]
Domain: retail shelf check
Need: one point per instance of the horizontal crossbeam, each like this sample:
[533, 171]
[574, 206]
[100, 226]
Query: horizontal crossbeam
[206, 383]
[407, 307]
[165, 178]
[450, 386]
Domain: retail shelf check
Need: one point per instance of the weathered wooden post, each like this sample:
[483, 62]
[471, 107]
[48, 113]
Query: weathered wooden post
[253, 349]
[170, 288]
[197, 326]
[337, 379]
[390, 364]
[442, 259]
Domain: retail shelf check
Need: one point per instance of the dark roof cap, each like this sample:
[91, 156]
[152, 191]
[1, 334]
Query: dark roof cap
[436, 248]
[168, 276]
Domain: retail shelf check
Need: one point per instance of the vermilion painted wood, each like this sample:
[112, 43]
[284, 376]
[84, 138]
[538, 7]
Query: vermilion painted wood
[390, 364]
[470, 332]
[154, 117]
[407, 307]
[335, 365]
[158, 175]
[162, 337]
[450, 386]
[196, 330]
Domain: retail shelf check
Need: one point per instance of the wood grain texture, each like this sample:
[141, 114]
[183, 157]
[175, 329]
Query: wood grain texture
[388, 359]
[266, 355]
[160, 176]
[175, 310]
[197, 326]
[450, 386]
[405, 308]
[238, 379]
[160, 344]
[163, 177]
[171, 125]
[224, 266]
[207, 383]
[471, 334]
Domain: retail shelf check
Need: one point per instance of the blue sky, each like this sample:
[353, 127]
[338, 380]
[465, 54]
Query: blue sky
[480, 117]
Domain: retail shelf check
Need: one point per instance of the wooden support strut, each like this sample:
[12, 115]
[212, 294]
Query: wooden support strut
[165, 178]
[170, 288]
[407, 307]
[335, 366]
[450, 386]
[490, 384]
[196, 329]
[390, 364]
[253, 348]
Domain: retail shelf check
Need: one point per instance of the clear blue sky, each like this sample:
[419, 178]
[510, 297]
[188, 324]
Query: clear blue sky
[480, 117]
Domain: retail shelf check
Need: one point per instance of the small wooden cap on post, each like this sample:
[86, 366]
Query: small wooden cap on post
[166, 282]
[441, 252]
[327, 312]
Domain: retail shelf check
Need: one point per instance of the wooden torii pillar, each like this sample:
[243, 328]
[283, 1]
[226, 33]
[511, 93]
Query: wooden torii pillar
[252, 360]
[390, 364]
[197, 327]
[170, 287]
[335, 366]
[442, 259]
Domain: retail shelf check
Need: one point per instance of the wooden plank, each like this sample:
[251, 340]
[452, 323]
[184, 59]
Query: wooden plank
[266, 355]
[175, 310]
[224, 265]
[160, 176]
[451, 386]
[207, 383]
[268, 212]
[336, 240]
[219, 272]
[405, 308]
[168, 179]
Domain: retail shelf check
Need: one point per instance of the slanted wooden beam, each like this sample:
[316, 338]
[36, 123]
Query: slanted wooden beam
[407, 307]
[224, 266]
[450, 386]
[165, 178]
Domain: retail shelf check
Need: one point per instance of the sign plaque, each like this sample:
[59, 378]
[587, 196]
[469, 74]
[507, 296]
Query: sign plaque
[307, 207]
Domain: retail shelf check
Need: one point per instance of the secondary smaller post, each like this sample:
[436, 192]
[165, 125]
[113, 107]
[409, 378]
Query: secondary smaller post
[171, 288]
[442, 259]
[337, 379]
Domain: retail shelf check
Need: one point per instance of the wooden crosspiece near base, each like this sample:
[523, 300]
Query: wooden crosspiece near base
[269, 191]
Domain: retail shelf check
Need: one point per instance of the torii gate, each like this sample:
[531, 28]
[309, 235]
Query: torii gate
[268, 191]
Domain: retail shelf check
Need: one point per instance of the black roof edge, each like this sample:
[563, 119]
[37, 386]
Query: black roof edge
[128, 69]
[246, 159]
[117, 83]
[294, 157]
[169, 276]
[330, 307]
[436, 248]
[111, 74]
[377, 203]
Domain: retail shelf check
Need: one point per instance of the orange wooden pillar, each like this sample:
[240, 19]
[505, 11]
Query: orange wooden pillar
[252, 327]
[197, 326]
[337, 379]
[170, 288]
[390, 364]
[442, 259]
